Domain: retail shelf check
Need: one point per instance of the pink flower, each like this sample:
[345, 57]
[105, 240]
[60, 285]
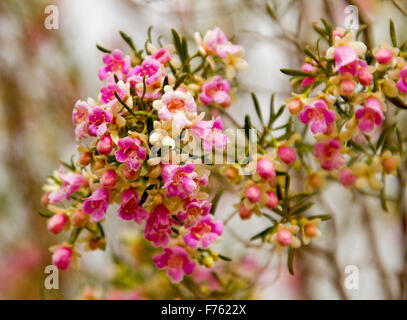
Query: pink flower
[194, 210]
[57, 223]
[216, 90]
[96, 205]
[149, 69]
[158, 226]
[346, 60]
[328, 152]
[98, 120]
[205, 232]
[402, 83]
[215, 42]
[174, 105]
[130, 152]
[253, 194]
[347, 178]
[177, 262]
[266, 170]
[108, 179]
[62, 258]
[80, 112]
[179, 181]
[71, 183]
[347, 87]
[114, 63]
[370, 115]
[210, 132]
[284, 237]
[163, 55]
[319, 114]
[306, 67]
[105, 145]
[384, 56]
[129, 209]
[287, 154]
[107, 92]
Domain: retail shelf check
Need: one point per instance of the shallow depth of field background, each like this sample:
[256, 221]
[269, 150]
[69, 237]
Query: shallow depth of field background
[43, 72]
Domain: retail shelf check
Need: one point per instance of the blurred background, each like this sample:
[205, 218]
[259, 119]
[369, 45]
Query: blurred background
[43, 72]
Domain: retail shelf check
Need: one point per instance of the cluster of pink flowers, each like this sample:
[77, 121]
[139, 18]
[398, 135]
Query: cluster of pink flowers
[116, 162]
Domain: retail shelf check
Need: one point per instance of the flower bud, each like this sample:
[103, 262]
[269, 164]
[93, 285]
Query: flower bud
[294, 106]
[108, 179]
[62, 258]
[79, 218]
[253, 193]
[244, 213]
[45, 200]
[85, 158]
[315, 180]
[208, 261]
[130, 174]
[57, 223]
[347, 87]
[310, 231]
[365, 77]
[284, 237]
[389, 165]
[347, 178]
[265, 169]
[287, 154]
[272, 200]
[100, 164]
[231, 172]
[384, 56]
[105, 145]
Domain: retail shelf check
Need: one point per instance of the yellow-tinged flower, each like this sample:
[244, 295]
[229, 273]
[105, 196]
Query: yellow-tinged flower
[390, 162]
[309, 229]
[285, 237]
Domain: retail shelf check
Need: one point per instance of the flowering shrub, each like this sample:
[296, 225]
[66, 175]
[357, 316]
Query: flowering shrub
[134, 144]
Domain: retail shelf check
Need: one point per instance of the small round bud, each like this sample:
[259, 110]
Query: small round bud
[315, 180]
[265, 169]
[100, 164]
[244, 213]
[272, 200]
[284, 237]
[45, 200]
[85, 158]
[79, 218]
[253, 193]
[208, 261]
[108, 179]
[365, 77]
[389, 165]
[310, 231]
[105, 145]
[62, 258]
[231, 172]
[384, 56]
[287, 154]
[130, 174]
[57, 223]
[295, 106]
[347, 87]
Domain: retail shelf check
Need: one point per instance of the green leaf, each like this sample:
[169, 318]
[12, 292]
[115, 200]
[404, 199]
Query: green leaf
[271, 111]
[247, 125]
[257, 107]
[393, 34]
[224, 257]
[124, 104]
[180, 80]
[45, 215]
[305, 207]
[383, 200]
[271, 11]
[262, 234]
[103, 49]
[297, 73]
[128, 40]
[323, 217]
[290, 260]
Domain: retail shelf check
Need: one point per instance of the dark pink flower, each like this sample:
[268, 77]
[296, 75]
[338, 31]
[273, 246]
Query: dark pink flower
[149, 69]
[265, 168]
[205, 232]
[98, 120]
[384, 56]
[57, 223]
[216, 90]
[114, 63]
[62, 258]
[319, 114]
[107, 92]
[130, 152]
[158, 226]
[163, 55]
[210, 132]
[129, 208]
[287, 154]
[402, 83]
[105, 145]
[328, 152]
[177, 262]
[96, 205]
[346, 60]
[108, 179]
[194, 210]
[370, 115]
[347, 178]
[179, 181]
[71, 183]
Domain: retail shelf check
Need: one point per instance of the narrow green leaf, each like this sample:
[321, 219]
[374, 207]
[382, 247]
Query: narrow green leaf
[297, 73]
[180, 80]
[128, 40]
[302, 208]
[257, 107]
[290, 260]
[247, 125]
[263, 233]
[393, 34]
[323, 217]
[224, 257]
[103, 49]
